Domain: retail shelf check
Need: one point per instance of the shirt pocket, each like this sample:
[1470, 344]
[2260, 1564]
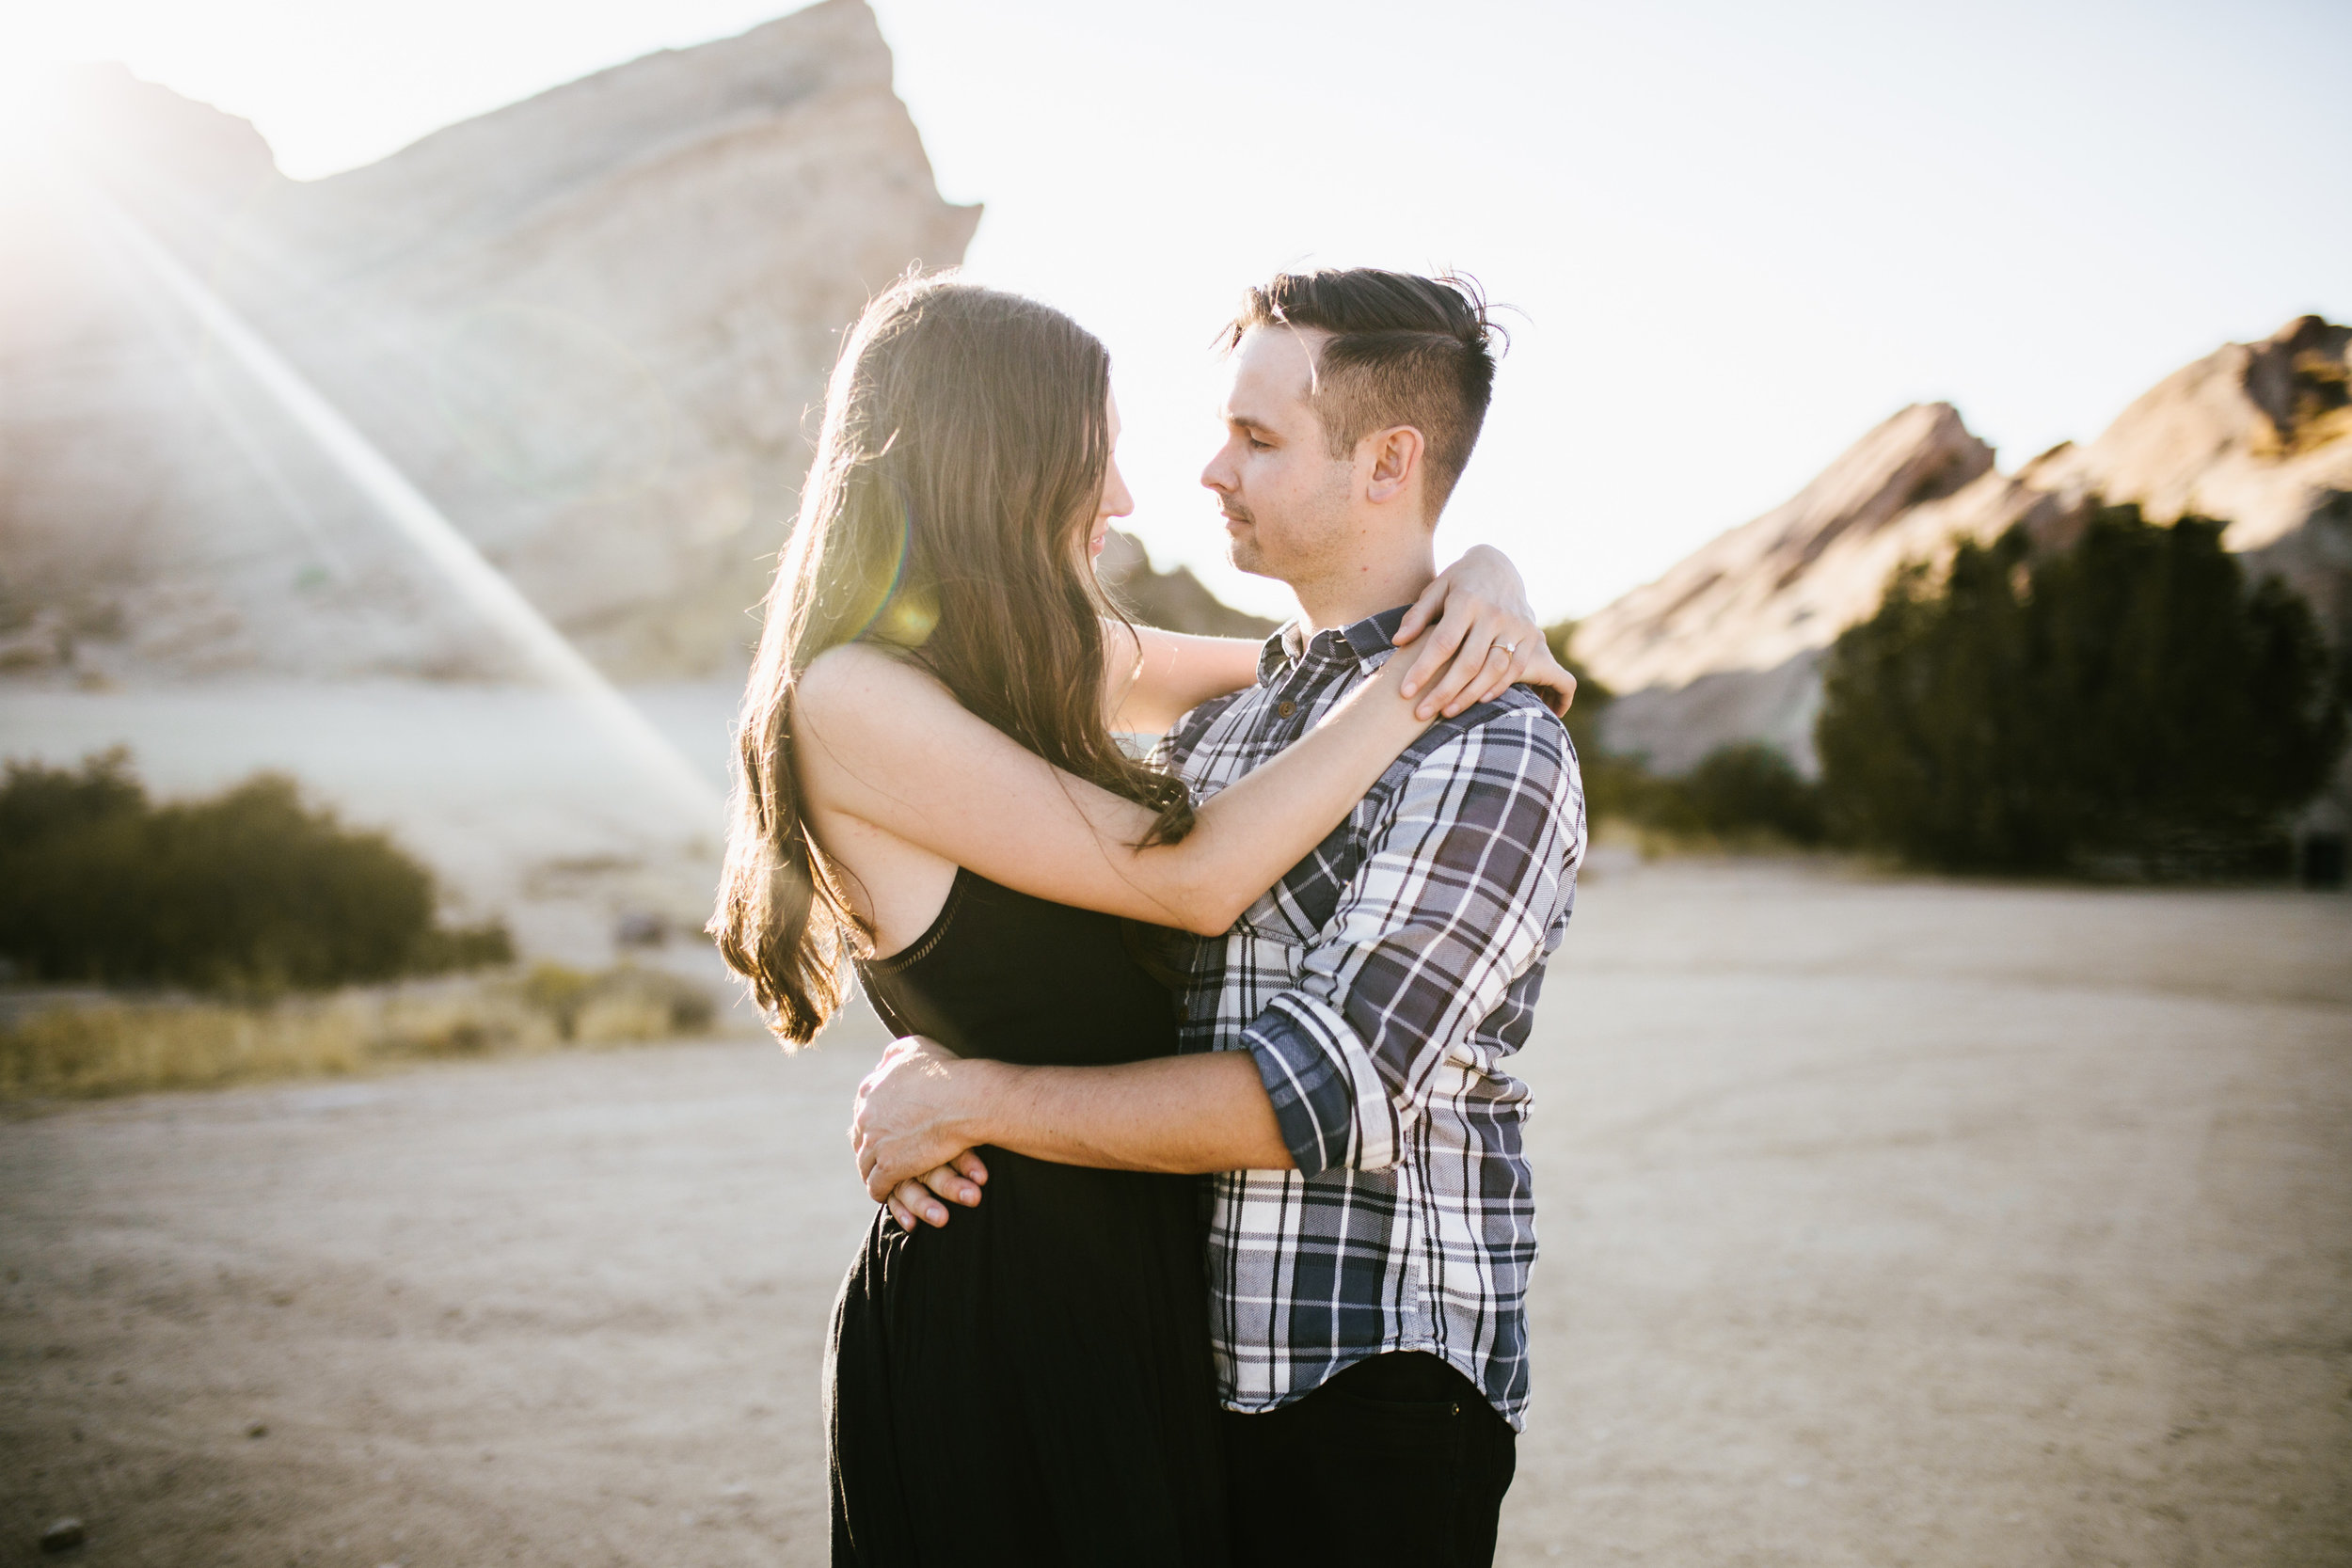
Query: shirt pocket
[1258, 965]
[1295, 909]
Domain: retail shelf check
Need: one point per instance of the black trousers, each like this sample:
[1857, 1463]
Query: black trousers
[1397, 1460]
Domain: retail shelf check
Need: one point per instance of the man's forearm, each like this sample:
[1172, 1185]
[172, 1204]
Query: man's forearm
[1185, 1115]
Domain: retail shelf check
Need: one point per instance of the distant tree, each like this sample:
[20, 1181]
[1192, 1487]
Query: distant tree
[1591, 697]
[2125, 698]
[249, 890]
[1612, 783]
[1750, 787]
[1738, 791]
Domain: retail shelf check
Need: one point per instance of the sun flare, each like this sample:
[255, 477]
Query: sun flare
[32, 102]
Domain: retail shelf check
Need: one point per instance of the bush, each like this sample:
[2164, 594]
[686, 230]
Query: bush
[1592, 699]
[249, 890]
[118, 1047]
[2124, 700]
[1751, 789]
[1613, 785]
[617, 1006]
[1747, 791]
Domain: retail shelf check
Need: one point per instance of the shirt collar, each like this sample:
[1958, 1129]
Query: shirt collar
[1361, 640]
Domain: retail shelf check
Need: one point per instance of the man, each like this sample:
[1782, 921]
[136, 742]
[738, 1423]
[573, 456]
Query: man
[1373, 1221]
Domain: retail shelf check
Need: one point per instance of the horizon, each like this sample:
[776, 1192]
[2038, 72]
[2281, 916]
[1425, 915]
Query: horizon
[2028, 267]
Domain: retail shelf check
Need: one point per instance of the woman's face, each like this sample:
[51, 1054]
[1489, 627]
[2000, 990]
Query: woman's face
[1116, 501]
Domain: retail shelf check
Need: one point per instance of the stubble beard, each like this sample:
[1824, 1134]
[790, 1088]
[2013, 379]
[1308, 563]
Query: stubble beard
[1313, 538]
[1241, 549]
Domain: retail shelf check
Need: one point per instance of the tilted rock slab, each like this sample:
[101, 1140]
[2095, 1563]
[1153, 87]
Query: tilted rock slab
[589, 326]
[1727, 646]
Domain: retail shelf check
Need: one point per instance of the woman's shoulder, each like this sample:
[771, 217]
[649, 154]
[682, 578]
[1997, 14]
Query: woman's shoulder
[860, 684]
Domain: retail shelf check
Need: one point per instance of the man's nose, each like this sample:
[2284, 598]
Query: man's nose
[1215, 477]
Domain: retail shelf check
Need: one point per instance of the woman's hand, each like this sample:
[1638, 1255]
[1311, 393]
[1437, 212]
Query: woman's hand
[957, 1181]
[1478, 618]
[911, 1151]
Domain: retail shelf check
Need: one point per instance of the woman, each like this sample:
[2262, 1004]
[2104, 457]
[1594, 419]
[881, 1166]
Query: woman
[929, 787]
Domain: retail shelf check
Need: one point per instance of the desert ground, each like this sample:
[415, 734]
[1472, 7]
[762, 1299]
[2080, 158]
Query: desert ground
[1885, 1221]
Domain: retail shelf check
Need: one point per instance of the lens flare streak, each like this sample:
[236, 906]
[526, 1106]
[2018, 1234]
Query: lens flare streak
[547, 652]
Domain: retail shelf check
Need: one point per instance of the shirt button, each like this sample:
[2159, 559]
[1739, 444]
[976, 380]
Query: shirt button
[1286, 707]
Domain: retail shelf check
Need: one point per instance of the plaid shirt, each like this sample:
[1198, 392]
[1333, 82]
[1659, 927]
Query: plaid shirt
[1381, 986]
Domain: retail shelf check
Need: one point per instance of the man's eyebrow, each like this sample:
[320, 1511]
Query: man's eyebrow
[1252, 420]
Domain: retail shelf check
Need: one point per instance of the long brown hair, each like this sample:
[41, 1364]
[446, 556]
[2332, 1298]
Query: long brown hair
[966, 440]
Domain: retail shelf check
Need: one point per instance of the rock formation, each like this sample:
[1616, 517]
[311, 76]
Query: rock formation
[1727, 645]
[587, 327]
[2258, 435]
[1174, 598]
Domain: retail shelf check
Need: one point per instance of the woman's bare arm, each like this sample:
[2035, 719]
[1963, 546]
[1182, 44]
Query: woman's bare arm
[1155, 677]
[881, 741]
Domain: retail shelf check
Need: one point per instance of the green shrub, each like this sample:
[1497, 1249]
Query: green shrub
[248, 891]
[1614, 786]
[1747, 791]
[1752, 787]
[1592, 702]
[2124, 700]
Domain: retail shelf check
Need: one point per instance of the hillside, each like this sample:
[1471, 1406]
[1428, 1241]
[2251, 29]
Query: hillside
[1727, 645]
[1173, 598]
[586, 326]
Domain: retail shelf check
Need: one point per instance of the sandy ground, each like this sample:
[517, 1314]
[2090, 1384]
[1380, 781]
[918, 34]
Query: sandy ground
[1884, 1223]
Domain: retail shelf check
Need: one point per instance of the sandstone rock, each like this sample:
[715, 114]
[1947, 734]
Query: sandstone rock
[1727, 646]
[586, 326]
[1674, 727]
[1174, 599]
[1785, 582]
[2258, 435]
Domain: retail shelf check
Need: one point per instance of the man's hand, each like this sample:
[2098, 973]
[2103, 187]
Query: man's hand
[1479, 619]
[907, 1130]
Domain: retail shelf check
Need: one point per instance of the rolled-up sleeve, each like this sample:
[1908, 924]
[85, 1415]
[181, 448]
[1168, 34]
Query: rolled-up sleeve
[1474, 857]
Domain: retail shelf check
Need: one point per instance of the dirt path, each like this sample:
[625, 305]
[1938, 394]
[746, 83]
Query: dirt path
[1883, 1223]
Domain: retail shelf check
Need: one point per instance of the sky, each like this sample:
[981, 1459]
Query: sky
[1734, 237]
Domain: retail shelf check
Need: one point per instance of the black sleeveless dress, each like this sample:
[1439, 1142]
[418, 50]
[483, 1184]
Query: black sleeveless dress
[1030, 1384]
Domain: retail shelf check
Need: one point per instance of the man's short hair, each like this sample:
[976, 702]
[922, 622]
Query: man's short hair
[1402, 350]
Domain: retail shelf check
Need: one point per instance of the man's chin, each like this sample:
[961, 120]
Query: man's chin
[1242, 554]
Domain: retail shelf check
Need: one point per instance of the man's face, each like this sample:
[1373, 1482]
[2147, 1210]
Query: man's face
[1287, 501]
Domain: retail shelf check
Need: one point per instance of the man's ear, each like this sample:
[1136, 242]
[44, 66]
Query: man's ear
[1396, 454]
